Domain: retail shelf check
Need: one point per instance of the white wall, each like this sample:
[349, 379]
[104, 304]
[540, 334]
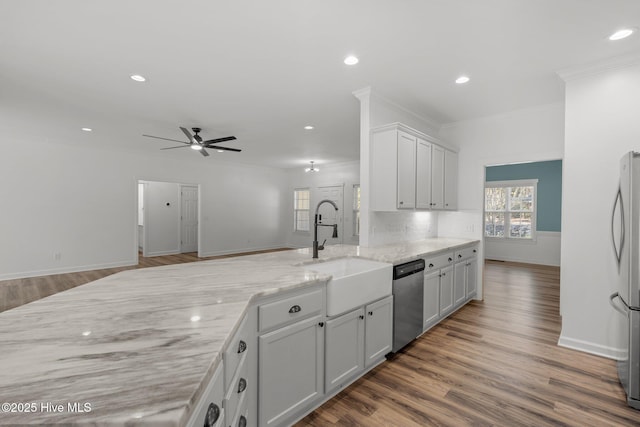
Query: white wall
[346, 174]
[71, 208]
[389, 227]
[545, 250]
[601, 126]
[533, 134]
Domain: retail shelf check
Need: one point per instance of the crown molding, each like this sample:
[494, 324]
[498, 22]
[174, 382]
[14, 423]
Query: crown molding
[599, 67]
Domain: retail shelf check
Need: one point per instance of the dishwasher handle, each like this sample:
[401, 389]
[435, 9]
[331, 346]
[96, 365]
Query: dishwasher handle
[407, 269]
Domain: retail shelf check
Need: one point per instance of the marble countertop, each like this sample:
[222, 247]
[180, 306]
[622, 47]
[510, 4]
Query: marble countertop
[138, 347]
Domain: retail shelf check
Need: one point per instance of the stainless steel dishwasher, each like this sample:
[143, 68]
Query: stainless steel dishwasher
[408, 291]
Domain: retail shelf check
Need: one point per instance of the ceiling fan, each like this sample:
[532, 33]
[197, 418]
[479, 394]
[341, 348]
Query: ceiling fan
[196, 142]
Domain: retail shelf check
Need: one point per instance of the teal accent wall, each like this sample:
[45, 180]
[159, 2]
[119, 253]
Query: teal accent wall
[549, 175]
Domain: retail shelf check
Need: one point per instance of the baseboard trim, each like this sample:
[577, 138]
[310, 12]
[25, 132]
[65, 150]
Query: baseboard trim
[64, 270]
[162, 253]
[591, 348]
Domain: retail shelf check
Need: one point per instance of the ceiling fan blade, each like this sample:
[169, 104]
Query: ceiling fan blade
[186, 132]
[204, 152]
[215, 141]
[180, 146]
[215, 147]
[166, 139]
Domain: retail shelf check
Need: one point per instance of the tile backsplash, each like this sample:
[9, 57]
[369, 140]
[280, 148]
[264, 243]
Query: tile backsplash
[395, 227]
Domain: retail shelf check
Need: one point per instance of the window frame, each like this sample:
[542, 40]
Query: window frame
[296, 210]
[507, 212]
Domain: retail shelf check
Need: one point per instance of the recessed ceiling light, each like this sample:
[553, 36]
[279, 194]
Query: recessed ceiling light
[138, 78]
[462, 79]
[622, 34]
[351, 60]
[87, 129]
[308, 127]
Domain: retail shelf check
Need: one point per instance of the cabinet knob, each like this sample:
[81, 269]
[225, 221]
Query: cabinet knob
[213, 413]
[242, 422]
[444, 274]
[242, 385]
[242, 346]
[295, 309]
[431, 265]
[474, 251]
[321, 324]
[402, 203]
[361, 316]
[459, 256]
[371, 313]
[450, 259]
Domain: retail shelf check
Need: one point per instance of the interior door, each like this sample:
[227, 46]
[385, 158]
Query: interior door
[329, 215]
[189, 218]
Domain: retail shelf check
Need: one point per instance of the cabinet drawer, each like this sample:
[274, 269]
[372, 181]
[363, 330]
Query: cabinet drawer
[241, 418]
[438, 262]
[237, 390]
[283, 312]
[210, 404]
[238, 347]
[466, 253]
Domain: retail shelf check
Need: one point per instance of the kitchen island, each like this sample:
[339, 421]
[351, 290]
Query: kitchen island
[140, 346]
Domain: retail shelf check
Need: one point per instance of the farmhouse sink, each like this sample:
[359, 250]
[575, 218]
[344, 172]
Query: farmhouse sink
[355, 282]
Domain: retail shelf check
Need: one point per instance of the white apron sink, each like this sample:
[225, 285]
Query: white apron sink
[355, 282]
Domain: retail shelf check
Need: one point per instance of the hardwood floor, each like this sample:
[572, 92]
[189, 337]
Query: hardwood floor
[493, 363]
[14, 293]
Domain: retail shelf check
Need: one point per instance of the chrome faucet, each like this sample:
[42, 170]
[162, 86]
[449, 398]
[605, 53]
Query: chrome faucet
[317, 247]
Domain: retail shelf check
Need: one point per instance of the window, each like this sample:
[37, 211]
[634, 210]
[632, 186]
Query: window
[356, 210]
[510, 209]
[301, 209]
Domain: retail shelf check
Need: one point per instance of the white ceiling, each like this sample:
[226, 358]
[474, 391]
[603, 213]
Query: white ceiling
[262, 70]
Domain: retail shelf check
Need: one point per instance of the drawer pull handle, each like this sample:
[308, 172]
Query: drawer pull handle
[295, 309]
[430, 265]
[459, 256]
[242, 422]
[321, 324]
[242, 346]
[371, 313]
[242, 385]
[361, 316]
[213, 413]
[450, 259]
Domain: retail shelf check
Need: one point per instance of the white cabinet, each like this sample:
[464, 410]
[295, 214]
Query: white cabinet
[437, 177]
[356, 341]
[209, 410]
[344, 348]
[459, 284]
[406, 171]
[409, 170]
[466, 272]
[431, 304]
[291, 370]
[423, 174]
[450, 180]
[472, 279]
[446, 291]
[378, 330]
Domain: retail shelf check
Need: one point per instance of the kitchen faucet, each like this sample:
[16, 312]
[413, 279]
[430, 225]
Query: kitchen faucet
[317, 247]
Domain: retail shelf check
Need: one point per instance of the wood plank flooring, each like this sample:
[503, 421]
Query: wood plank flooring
[16, 292]
[493, 363]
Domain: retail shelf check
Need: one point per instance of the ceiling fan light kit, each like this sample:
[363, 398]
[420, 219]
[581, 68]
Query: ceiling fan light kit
[196, 142]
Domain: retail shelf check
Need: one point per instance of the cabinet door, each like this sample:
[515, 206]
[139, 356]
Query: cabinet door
[406, 171]
[290, 370]
[459, 283]
[423, 175]
[450, 180]
[446, 291]
[437, 177]
[344, 348]
[472, 277]
[378, 330]
[431, 305]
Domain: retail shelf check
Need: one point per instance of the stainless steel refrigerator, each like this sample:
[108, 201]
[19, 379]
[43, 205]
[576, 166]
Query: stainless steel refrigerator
[625, 233]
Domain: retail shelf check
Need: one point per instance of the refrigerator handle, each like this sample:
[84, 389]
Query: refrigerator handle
[616, 249]
[614, 296]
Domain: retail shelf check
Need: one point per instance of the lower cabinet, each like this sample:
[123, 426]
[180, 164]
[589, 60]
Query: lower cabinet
[431, 303]
[344, 348]
[378, 336]
[291, 370]
[356, 341]
[446, 291]
[472, 277]
[459, 284]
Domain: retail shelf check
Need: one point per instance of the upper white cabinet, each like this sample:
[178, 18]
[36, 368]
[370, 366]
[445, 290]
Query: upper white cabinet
[411, 170]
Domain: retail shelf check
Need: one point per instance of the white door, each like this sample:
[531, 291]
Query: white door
[189, 218]
[328, 214]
